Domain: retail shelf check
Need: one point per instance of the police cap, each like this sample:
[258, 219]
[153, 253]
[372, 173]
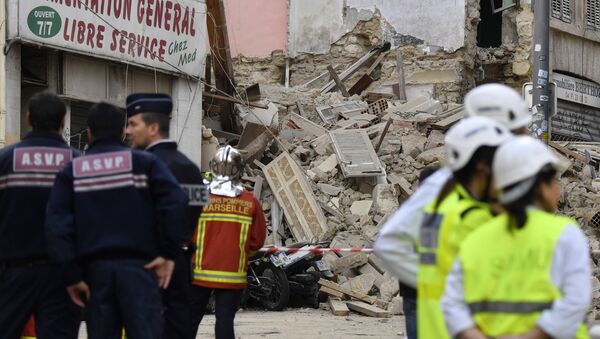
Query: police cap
[149, 103]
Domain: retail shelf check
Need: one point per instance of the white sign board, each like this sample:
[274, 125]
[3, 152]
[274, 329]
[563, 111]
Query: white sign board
[165, 34]
[577, 90]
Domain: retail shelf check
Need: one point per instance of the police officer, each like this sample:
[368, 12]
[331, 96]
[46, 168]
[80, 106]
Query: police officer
[525, 273]
[29, 283]
[231, 228]
[112, 221]
[148, 129]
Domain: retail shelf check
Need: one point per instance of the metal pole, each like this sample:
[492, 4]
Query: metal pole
[541, 89]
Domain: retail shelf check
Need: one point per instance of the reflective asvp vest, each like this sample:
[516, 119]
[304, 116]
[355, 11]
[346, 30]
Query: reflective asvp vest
[441, 234]
[506, 275]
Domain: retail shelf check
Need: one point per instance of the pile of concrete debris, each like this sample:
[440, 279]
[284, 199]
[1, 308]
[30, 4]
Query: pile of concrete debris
[332, 168]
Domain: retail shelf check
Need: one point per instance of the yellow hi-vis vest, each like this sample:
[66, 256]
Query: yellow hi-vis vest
[441, 234]
[506, 275]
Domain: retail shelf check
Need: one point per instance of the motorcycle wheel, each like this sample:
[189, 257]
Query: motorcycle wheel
[280, 289]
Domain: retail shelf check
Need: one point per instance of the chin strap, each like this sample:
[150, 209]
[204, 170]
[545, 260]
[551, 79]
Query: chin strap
[225, 187]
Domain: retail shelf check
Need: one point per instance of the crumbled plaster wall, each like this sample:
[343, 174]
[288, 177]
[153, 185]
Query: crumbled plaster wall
[444, 75]
[305, 66]
[437, 23]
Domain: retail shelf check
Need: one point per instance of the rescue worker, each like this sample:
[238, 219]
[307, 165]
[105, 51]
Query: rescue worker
[526, 273]
[148, 129]
[29, 282]
[231, 228]
[460, 207]
[113, 221]
[398, 239]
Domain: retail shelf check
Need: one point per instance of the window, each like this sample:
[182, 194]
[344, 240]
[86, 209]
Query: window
[561, 10]
[592, 14]
[502, 5]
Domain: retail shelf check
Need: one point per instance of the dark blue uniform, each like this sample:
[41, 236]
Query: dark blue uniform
[29, 283]
[177, 298]
[112, 211]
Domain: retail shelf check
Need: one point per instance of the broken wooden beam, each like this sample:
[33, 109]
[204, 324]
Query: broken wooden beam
[338, 307]
[338, 82]
[575, 155]
[367, 309]
[385, 130]
[234, 100]
[366, 80]
[301, 109]
[350, 293]
[400, 70]
[347, 73]
[333, 293]
[449, 121]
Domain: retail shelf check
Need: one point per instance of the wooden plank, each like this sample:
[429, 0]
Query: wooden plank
[333, 293]
[350, 293]
[449, 121]
[568, 152]
[276, 223]
[361, 84]
[338, 307]
[225, 135]
[320, 76]
[339, 84]
[367, 309]
[400, 70]
[307, 125]
[385, 130]
[303, 214]
[258, 182]
[347, 73]
[233, 100]
[301, 109]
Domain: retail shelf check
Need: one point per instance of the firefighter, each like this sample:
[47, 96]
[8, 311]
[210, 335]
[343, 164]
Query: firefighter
[397, 241]
[526, 273]
[29, 282]
[231, 228]
[113, 221]
[461, 206]
[148, 129]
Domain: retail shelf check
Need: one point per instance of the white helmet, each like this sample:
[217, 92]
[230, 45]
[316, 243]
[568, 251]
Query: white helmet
[469, 134]
[518, 160]
[500, 103]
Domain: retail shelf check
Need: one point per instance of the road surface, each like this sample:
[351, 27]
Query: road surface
[303, 323]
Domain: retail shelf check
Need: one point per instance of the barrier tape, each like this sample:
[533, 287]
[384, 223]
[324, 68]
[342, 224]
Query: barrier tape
[315, 250]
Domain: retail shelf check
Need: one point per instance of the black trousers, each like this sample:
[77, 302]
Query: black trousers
[124, 294]
[177, 301]
[37, 290]
[227, 303]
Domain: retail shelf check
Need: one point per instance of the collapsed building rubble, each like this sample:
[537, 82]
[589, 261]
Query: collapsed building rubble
[329, 168]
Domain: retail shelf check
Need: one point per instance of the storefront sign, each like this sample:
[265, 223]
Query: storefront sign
[164, 34]
[577, 90]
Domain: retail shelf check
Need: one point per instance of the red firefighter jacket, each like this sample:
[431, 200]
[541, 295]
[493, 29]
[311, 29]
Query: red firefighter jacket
[229, 229]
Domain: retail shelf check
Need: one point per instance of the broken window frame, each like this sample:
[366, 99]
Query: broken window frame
[495, 10]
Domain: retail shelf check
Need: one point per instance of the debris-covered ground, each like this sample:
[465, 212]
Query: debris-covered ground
[329, 167]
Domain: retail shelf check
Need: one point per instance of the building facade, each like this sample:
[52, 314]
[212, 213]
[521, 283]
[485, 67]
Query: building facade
[89, 51]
